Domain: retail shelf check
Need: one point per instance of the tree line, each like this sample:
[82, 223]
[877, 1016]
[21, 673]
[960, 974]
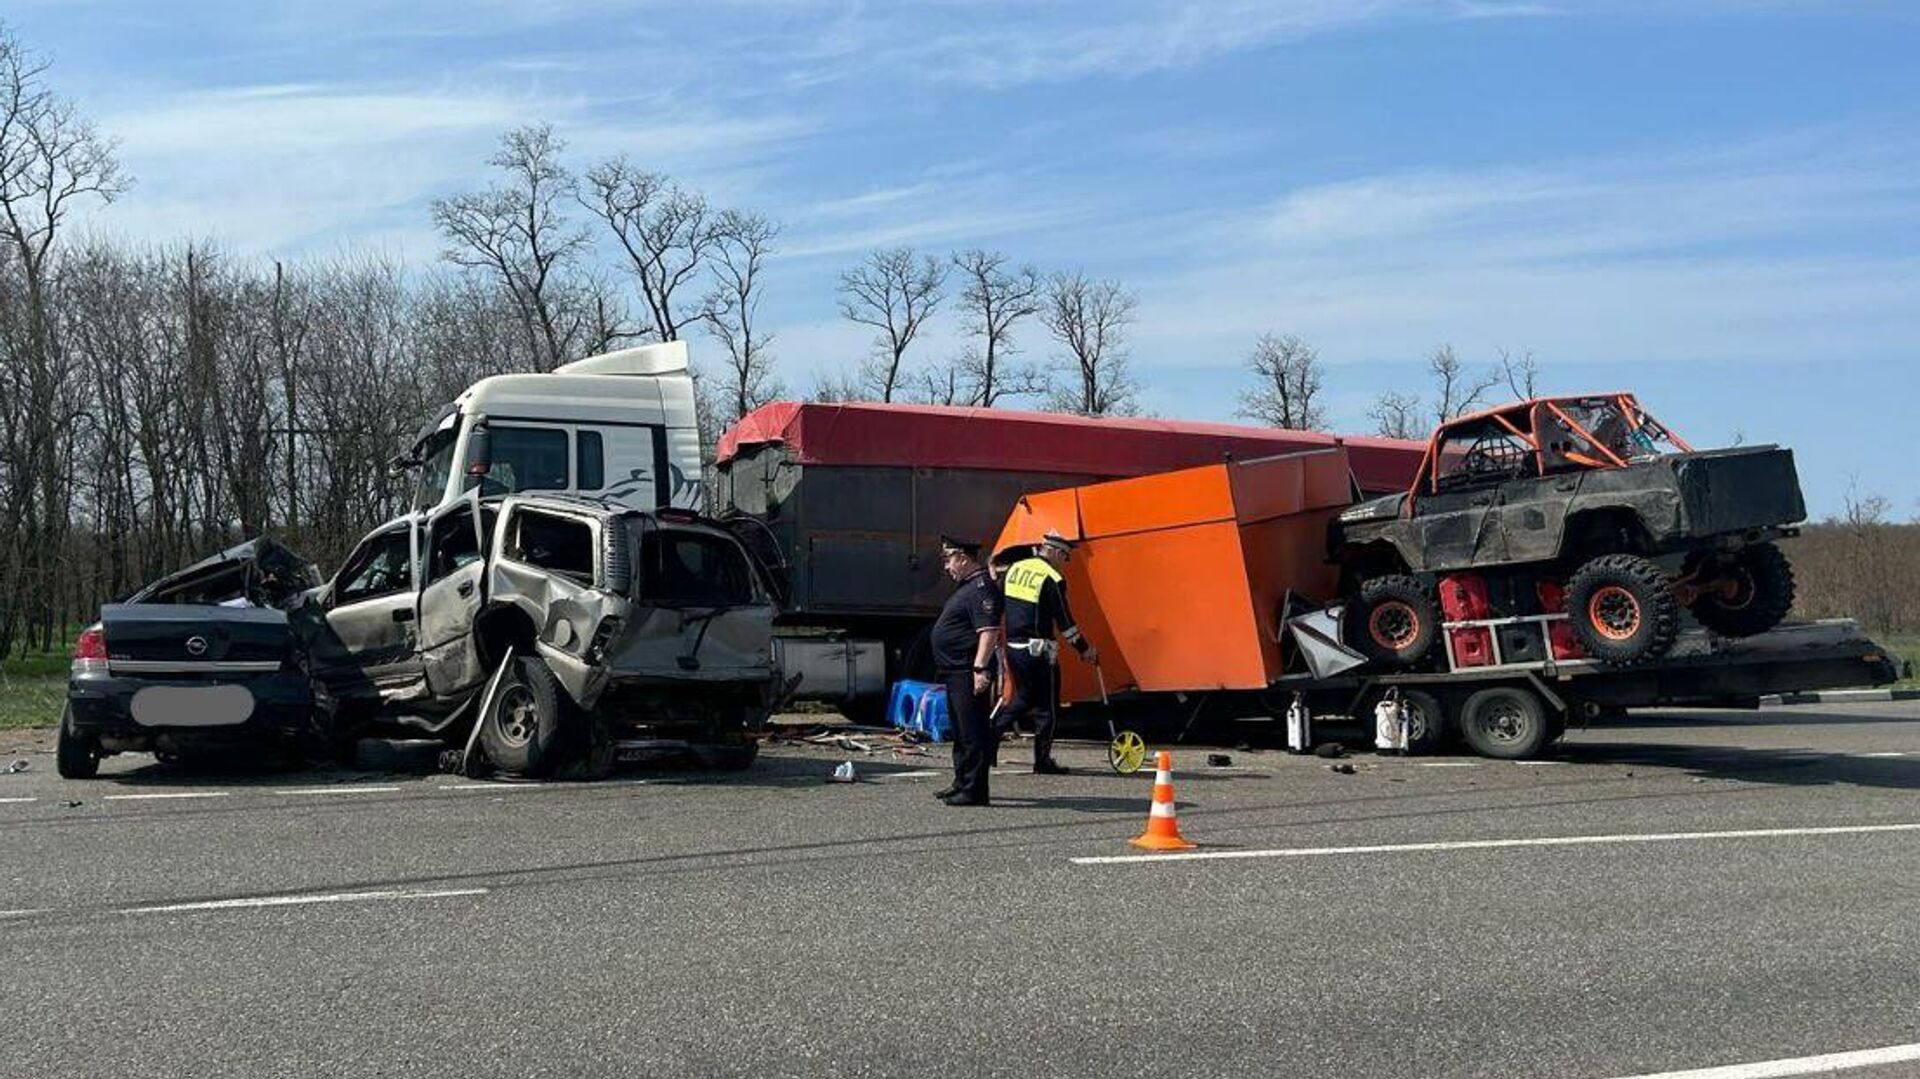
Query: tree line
[160, 401]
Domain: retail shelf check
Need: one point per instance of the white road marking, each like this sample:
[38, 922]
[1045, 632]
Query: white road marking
[173, 794]
[1776, 1069]
[1536, 762]
[1895, 753]
[298, 900]
[22, 913]
[922, 774]
[1447, 764]
[344, 788]
[1495, 844]
[492, 787]
[13, 801]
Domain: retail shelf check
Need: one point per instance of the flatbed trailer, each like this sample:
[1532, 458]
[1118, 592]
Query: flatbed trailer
[1516, 710]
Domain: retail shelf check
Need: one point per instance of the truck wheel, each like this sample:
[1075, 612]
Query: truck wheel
[1394, 621]
[1505, 722]
[76, 755]
[1757, 593]
[521, 732]
[1623, 609]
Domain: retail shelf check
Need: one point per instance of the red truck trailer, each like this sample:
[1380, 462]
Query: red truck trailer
[848, 502]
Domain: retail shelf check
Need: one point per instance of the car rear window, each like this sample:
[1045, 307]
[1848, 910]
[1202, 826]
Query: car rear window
[692, 569]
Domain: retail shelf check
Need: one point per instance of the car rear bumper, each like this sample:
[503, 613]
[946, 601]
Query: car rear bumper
[144, 709]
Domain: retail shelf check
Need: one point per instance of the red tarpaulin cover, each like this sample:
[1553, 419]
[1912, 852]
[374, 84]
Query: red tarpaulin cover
[937, 436]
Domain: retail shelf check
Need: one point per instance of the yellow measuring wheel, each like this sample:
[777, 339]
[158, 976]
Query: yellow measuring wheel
[1126, 752]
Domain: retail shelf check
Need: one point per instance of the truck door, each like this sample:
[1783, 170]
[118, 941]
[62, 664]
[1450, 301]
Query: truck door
[451, 592]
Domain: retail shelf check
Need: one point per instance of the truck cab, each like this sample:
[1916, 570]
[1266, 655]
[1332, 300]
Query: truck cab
[619, 426]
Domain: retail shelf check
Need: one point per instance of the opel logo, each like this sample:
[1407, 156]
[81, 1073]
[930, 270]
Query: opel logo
[196, 646]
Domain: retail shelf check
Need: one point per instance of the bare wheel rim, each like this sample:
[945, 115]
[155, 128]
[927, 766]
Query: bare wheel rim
[519, 716]
[1614, 613]
[1394, 625]
[1504, 721]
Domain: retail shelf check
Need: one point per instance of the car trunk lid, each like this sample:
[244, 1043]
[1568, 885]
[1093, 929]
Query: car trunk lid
[190, 638]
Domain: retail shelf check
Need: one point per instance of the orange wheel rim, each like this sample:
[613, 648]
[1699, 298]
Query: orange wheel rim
[1394, 625]
[1614, 613]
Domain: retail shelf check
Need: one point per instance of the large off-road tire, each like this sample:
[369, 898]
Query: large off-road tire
[1623, 609]
[75, 755]
[1759, 595]
[1394, 621]
[1507, 723]
[523, 731]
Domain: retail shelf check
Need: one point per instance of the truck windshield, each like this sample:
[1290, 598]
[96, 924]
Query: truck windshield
[436, 463]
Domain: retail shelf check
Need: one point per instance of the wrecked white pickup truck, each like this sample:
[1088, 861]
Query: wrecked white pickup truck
[539, 629]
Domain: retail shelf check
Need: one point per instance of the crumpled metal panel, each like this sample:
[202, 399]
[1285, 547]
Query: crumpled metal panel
[666, 644]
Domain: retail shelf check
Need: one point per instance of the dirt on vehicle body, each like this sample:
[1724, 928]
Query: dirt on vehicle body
[1621, 521]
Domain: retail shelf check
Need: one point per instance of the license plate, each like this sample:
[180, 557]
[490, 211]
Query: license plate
[192, 706]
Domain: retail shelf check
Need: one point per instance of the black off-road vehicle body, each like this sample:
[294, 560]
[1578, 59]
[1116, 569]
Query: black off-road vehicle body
[1589, 491]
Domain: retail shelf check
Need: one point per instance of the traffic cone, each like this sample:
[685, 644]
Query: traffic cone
[1163, 828]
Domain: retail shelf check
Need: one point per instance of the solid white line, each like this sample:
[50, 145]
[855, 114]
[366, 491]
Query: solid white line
[22, 913]
[1495, 844]
[1895, 753]
[345, 788]
[11, 801]
[922, 774]
[1447, 764]
[150, 797]
[492, 787]
[297, 900]
[1775, 1069]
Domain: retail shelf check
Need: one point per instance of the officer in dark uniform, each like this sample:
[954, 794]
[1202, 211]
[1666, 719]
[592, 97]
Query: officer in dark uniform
[1037, 609]
[964, 639]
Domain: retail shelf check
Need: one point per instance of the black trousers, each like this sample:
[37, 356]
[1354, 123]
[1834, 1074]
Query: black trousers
[972, 738]
[1036, 694]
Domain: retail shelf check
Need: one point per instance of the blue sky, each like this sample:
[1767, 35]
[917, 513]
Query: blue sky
[1714, 202]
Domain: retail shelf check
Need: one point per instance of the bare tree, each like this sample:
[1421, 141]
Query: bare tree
[516, 232]
[994, 299]
[1455, 391]
[1522, 374]
[733, 308]
[1089, 319]
[667, 232]
[51, 160]
[1289, 390]
[894, 290]
[1396, 415]
[837, 388]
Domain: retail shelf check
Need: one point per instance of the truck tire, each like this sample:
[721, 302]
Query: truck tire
[75, 755]
[1762, 593]
[1394, 621]
[1623, 609]
[522, 731]
[1506, 723]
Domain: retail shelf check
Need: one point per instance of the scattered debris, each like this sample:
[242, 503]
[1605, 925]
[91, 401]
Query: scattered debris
[19, 765]
[1219, 760]
[73, 804]
[1343, 768]
[1330, 750]
[843, 774]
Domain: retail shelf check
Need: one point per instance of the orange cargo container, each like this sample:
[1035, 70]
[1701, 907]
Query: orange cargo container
[1179, 577]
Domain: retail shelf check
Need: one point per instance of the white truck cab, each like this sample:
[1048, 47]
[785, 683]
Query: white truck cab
[619, 426]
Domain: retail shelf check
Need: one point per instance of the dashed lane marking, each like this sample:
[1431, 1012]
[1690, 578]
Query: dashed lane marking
[344, 788]
[1447, 764]
[159, 797]
[1826, 1064]
[22, 913]
[14, 801]
[298, 900]
[1895, 753]
[1496, 844]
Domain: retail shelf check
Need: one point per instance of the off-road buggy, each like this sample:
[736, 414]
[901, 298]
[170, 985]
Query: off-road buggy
[1586, 505]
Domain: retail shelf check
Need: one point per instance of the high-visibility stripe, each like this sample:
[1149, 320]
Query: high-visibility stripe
[1027, 577]
[1161, 809]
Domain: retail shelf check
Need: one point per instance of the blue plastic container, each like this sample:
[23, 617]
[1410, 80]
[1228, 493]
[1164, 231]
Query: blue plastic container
[921, 707]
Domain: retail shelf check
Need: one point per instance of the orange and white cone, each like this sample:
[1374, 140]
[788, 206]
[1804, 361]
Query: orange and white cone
[1163, 828]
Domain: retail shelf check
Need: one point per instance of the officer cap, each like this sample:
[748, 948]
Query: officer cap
[1057, 541]
[970, 548]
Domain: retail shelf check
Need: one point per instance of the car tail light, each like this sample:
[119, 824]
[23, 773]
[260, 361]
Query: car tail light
[90, 651]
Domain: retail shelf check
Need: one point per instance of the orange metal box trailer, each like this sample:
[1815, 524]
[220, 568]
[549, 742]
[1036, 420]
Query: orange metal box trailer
[1179, 577]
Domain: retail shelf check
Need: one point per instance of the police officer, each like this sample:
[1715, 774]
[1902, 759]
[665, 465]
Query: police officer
[1036, 609]
[964, 638]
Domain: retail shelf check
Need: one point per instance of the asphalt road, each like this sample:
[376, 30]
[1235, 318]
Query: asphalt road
[769, 923]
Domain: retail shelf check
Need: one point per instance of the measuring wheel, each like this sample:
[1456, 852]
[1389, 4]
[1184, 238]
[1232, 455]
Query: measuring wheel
[1126, 752]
